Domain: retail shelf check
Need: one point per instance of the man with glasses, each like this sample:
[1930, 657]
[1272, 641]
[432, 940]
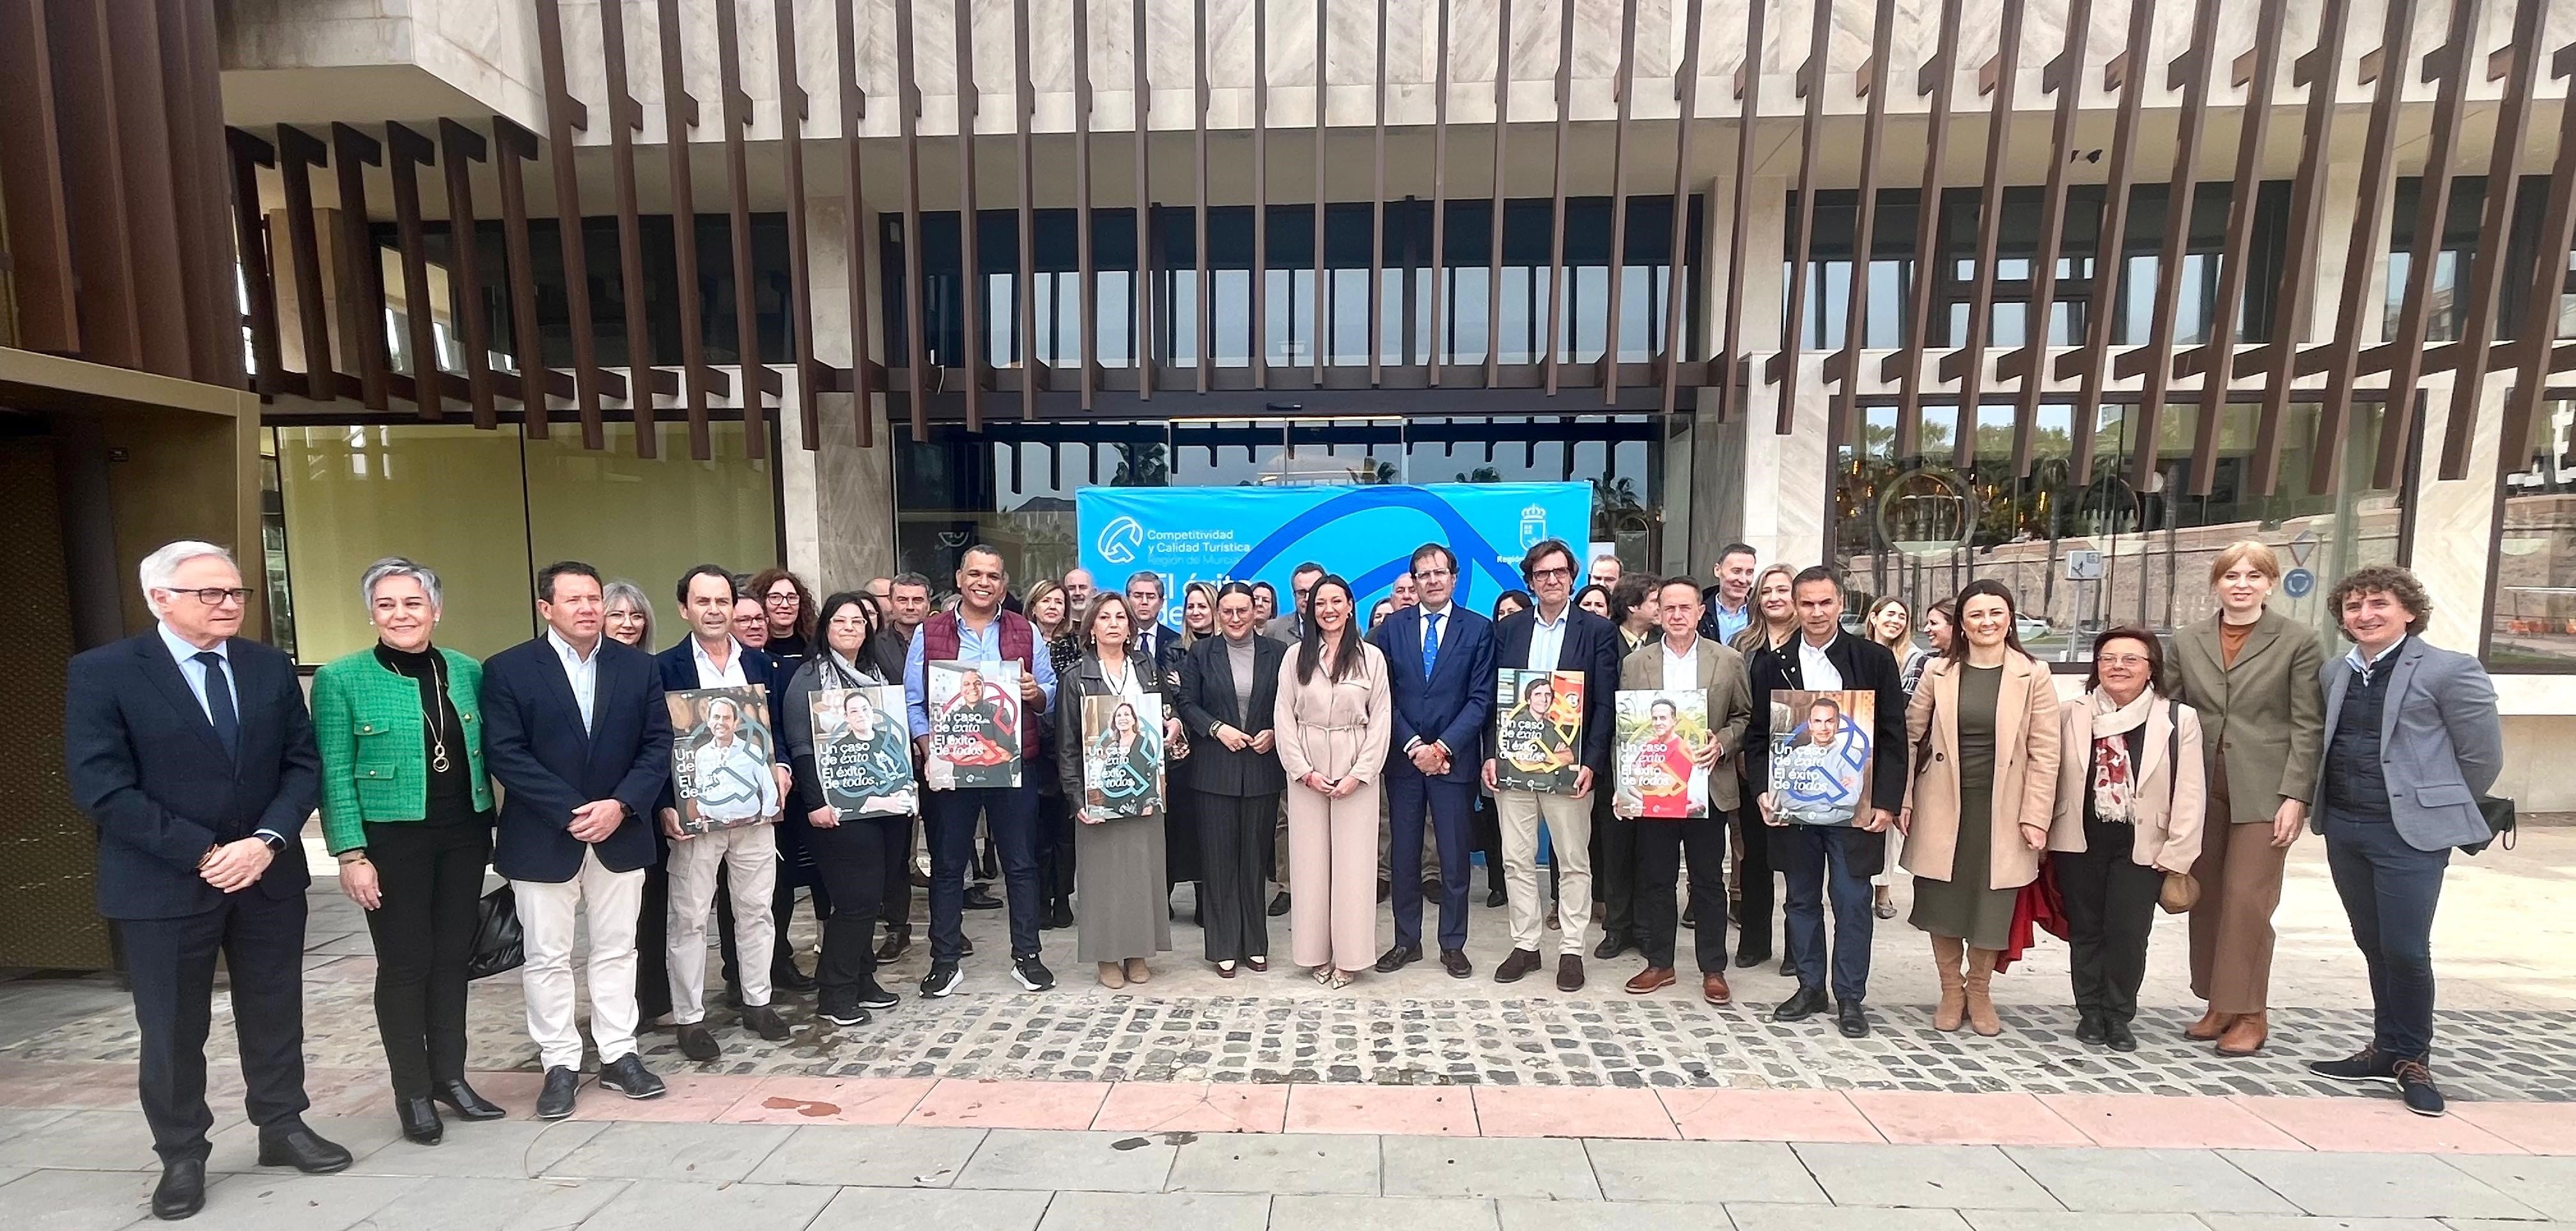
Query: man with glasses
[1290, 625]
[1145, 602]
[1440, 660]
[193, 752]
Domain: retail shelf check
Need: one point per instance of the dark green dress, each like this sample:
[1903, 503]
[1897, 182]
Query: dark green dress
[1963, 906]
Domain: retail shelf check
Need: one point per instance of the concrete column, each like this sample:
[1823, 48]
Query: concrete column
[841, 515]
[2454, 521]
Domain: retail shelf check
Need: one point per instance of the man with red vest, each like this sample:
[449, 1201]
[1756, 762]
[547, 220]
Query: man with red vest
[981, 631]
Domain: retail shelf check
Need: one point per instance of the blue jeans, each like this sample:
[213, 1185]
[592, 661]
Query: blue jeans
[1011, 816]
[1452, 807]
[1821, 864]
[2390, 890]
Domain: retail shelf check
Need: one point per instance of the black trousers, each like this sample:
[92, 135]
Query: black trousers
[1660, 848]
[1489, 839]
[2110, 910]
[1055, 850]
[895, 904]
[652, 944]
[1614, 867]
[171, 964]
[432, 880]
[1235, 832]
[850, 858]
[1755, 897]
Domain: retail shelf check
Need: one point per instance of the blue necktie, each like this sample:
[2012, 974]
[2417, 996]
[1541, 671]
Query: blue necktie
[1431, 645]
[219, 703]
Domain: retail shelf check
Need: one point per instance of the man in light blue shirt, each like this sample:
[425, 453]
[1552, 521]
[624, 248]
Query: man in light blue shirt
[1730, 601]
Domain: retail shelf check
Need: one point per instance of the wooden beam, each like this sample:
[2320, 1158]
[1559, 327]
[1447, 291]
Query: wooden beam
[1261, 187]
[1502, 141]
[258, 263]
[908, 126]
[1087, 275]
[1626, 86]
[518, 146]
[1024, 296]
[362, 280]
[2370, 227]
[794, 110]
[2548, 284]
[855, 236]
[2232, 273]
[2195, 67]
[970, 280]
[679, 116]
[1144, 281]
[1729, 361]
[1377, 206]
[2448, 67]
[409, 151]
[1556, 296]
[2110, 246]
[562, 111]
[625, 119]
[1990, 223]
[2307, 189]
[2067, 79]
[1939, 78]
[1676, 299]
[1842, 422]
[1439, 282]
[2486, 278]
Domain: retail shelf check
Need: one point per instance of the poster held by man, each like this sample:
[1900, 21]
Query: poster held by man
[1122, 757]
[860, 754]
[1538, 731]
[720, 758]
[974, 725]
[1659, 778]
[1820, 757]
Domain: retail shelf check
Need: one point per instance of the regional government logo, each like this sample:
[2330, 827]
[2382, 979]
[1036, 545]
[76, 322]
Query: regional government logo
[1119, 540]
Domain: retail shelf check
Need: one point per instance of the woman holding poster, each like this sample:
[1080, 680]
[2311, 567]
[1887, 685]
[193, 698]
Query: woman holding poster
[1119, 902]
[854, 785]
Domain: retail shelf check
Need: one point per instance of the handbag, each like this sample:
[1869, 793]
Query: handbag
[2181, 892]
[498, 943]
[2500, 823]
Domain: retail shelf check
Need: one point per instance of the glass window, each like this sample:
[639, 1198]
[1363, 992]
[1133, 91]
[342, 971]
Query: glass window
[2531, 616]
[2463, 220]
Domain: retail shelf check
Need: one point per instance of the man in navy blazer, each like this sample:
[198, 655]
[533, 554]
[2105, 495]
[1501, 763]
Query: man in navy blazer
[1555, 636]
[192, 751]
[575, 731]
[1440, 667]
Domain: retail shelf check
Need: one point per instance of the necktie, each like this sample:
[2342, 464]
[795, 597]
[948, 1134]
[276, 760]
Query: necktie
[219, 703]
[1431, 645]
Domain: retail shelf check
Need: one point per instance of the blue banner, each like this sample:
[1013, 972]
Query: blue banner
[1366, 534]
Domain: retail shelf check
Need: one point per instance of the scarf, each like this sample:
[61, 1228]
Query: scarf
[840, 672]
[2115, 779]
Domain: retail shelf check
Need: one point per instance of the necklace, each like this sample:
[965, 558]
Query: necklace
[438, 762]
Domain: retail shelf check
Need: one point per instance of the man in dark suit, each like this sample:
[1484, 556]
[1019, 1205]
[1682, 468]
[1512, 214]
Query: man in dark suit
[1440, 667]
[576, 733]
[192, 751]
[1556, 636]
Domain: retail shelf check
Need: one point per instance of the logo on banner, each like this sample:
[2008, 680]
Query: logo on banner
[1120, 539]
[1533, 527]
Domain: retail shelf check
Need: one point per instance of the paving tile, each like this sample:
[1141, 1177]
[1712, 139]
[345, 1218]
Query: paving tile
[1945, 1118]
[1406, 1110]
[1562, 1111]
[1754, 1216]
[1534, 1214]
[2374, 1123]
[2151, 1121]
[933, 1209]
[299, 1202]
[1944, 1177]
[2542, 1128]
[1196, 1107]
[80, 1200]
[500, 1149]
[828, 1100]
[2051, 1220]
[1300, 1164]
[1040, 1159]
[1384, 1213]
[1084, 1211]
[2301, 1222]
[89, 1141]
[693, 1098]
[1701, 1171]
[671, 1205]
[1488, 1167]
[16, 1120]
[490, 1204]
[2093, 1179]
[1767, 1115]
[237, 1148]
[1010, 1104]
[702, 1153]
[2377, 1185]
[2545, 1184]
[64, 1083]
[870, 1154]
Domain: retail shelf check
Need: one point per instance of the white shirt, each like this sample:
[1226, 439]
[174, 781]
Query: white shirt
[195, 672]
[1547, 641]
[1429, 613]
[712, 676]
[2354, 659]
[1815, 670]
[1681, 670]
[582, 670]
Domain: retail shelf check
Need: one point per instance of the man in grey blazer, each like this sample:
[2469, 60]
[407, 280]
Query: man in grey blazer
[2411, 742]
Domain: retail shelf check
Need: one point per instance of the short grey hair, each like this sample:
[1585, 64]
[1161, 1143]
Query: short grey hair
[162, 567]
[398, 566]
[622, 592]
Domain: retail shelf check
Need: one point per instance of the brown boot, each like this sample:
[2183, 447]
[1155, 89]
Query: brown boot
[1980, 981]
[2245, 1035]
[1947, 953]
[2211, 1025]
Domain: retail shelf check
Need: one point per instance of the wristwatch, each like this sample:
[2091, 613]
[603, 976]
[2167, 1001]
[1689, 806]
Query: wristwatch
[276, 845]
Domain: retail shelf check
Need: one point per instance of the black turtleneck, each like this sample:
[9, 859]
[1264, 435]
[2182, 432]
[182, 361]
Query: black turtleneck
[451, 793]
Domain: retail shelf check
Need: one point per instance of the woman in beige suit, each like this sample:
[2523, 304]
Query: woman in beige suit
[2253, 677]
[1984, 727]
[1332, 721]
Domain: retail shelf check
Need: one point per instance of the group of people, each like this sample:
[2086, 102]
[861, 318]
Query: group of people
[2181, 776]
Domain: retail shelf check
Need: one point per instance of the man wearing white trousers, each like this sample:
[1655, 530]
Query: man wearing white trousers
[1529, 732]
[739, 789]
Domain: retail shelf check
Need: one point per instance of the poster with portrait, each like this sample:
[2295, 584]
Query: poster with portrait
[1660, 732]
[1122, 755]
[721, 758]
[1820, 752]
[860, 751]
[974, 725]
[1538, 730]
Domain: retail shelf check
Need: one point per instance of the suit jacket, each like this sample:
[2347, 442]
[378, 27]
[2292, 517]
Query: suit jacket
[2264, 717]
[2440, 742]
[1088, 680]
[1591, 646]
[1451, 707]
[1205, 699]
[144, 762]
[1284, 629]
[547, 765]
[2172, 800]
[1730, 706]
[2024, 787]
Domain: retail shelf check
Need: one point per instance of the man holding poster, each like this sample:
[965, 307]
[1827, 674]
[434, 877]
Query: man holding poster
[1683, 661]
[1540, 769]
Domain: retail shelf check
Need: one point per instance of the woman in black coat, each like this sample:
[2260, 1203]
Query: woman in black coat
[1227, 686]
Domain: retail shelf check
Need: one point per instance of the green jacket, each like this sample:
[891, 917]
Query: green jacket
[367, 719]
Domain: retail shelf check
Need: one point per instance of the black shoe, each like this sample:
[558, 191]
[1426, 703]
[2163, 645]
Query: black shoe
[2415, 1085]
[628, 1076]
[763, 1020]
[2368, 1064]
[1690, 916]
[1385, 890]
[1398, 958]
[1496, 897]
[182, 1190]
[898, 938]
[1612, 945]
[919, 879]
[1515, 967]
[2116, 1033]
[301, 1148]
[1747, 959]
[981, 898]
[1032, 973]
[1055, 915]
[942, 979]
[733, 994]
[419, 1120]
[1433, 890]
[785, 977]
[1849, 1018]
[2088, 1029]
[872, 996]
[1455, 962]
[467, 1104]
[1788, 967]
[841, 1011]
[1807, 1003]
[1279, 904]
[698, 1044]
[562, 1085]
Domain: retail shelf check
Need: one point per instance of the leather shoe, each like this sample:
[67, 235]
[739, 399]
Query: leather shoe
[1520, 963]
[1279, 904]
[2245, 1037]
[1455, 962]
[1651, 979]
[2088, 1029]
[898, 938]
[698, 1044]
[1849, 1018]
[763, 1020]
[981, 898]
[1713, 989]
[182, 1190]
[1569, 973]
[419, 1119]
[1748, 959]
[1496, 897]
[301, 1148]
[2117, 1034]
[1398, 958]
[1612, 945]
[2211, 1025]
[628, 1076]
[1808, 1002]
[785, 977]
[467, 1104]
[562, 1086]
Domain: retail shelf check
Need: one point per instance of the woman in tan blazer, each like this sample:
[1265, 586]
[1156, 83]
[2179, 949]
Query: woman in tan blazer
[1984, 728]
[1332, 720]
[2253, 677]
[2128, 812]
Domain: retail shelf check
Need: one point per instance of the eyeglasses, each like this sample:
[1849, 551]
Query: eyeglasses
[213, 597]
[1551, 574]
[1429, 574]
[2122, 660]
[788, 596]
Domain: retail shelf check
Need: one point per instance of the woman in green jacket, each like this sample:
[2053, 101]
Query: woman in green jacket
[407, 810]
